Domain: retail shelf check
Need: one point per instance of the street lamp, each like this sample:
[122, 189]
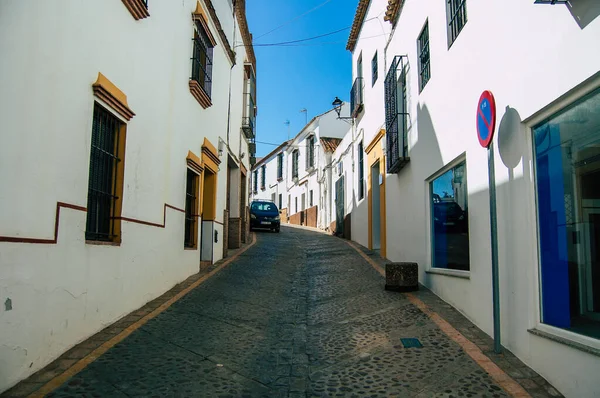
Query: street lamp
[337, 106]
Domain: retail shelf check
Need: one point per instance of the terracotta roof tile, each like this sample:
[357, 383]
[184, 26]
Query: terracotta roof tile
[330, 144]
[393, 8]
[359, 17]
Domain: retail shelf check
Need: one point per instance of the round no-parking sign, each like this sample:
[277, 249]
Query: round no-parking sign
[486, 118]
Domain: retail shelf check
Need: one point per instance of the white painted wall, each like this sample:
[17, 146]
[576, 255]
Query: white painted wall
[372, 38]
[272, 184]
[63, 293]
[528, 64]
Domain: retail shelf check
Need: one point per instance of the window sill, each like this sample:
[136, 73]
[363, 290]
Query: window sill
[101, 243]
[137, 8]
[563, 340]
[190, 248]
[450, 272]
[200, 95]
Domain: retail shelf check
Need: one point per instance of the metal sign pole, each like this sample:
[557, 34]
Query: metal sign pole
[494, 233]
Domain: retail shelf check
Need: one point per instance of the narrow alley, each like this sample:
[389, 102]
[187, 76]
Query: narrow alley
[298, 314]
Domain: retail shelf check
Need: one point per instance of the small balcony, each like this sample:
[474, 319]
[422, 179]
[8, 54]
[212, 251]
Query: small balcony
[356, 97]
[248, 127]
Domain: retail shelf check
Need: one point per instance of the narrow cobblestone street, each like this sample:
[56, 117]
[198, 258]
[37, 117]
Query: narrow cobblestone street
[298, 314]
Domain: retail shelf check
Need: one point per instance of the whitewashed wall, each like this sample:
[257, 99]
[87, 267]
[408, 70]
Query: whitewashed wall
[51, 56]
[372, 38]
[272, 185]
[528, 56]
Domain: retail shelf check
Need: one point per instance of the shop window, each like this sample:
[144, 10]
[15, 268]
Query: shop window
[567, 157]
[449, 219]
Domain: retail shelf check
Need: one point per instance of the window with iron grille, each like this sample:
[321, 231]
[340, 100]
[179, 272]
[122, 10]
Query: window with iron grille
[423, 50]
[280, 201]
[396, 116]
[456, 11]
[374, 68]
[202, 60]
[280, 166]
[310, 198]
[191, 209]
[310, 152]
[255, 181]
[104, 187]
[361, 171]
[295, 156]
[263, 172]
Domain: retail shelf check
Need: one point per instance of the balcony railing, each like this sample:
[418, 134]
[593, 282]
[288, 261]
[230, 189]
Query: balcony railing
[248, 126]
[396, 117]
[356, 96]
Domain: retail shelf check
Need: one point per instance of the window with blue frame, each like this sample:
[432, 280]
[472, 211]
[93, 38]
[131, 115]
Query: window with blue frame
[567, 158]
[449, 219]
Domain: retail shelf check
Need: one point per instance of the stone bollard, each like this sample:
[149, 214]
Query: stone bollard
[402, 277]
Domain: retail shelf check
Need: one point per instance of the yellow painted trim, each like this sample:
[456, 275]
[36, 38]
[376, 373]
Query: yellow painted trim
[374, 155]
[91, 357]
[374, 141]
[208, 145]
[106, 84]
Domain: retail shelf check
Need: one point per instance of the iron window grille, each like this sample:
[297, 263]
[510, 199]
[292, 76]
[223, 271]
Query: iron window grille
[280, 167]
[191, 201]
[310, 153]
[295, 156]
[310, 198]
[356, 96]
[263, 172]
[202, 60]
[396, 116]
[361, 171]
[255, 181]
[249, 119]
[374, 68]
[102, 186]
[457, 18]
[424, 64]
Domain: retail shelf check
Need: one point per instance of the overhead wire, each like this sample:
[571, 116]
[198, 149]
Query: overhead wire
[294, 19]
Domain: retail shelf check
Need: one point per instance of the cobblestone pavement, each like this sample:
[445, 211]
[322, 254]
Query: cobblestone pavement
[298, 314]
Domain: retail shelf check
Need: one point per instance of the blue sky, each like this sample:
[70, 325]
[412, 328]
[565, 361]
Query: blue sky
[307, 75]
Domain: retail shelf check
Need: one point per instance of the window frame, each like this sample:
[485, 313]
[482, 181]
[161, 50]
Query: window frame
[374, 69]
[190, 238]
[280, 166]
[115, 181]
[255, 181]
[202, 42]
[430, 268]
[310, 198]
[422, 48]
[361, 171]
[310, 152]
[263, 177]
[295, 160]
[452, 17]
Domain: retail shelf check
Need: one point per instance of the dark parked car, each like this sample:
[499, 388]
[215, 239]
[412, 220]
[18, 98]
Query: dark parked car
[449, 215]
[264, 214]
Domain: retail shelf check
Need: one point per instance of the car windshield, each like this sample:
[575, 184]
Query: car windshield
[264, 207]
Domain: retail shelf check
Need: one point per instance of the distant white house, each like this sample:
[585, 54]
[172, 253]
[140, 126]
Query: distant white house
[308, 163]
[269, 178]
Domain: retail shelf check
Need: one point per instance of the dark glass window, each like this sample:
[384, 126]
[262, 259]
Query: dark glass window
[191, 209]
[310, 152]
[280, 166]
[310, 198]
[280, 201]
[255, 181]
[374, 68]
[361, 171]
[567, 159]
[449, 219]
[423, 50]
[456, 10]
[103, 202]
[295, 156]
[202, 60]
[263, 177]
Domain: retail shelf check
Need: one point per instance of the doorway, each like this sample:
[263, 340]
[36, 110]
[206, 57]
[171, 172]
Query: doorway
[339, 206]
[375, 208]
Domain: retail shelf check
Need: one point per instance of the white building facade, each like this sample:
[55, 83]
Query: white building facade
[128, 128]
[537, 61]
[269, 180]
[307, 161]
